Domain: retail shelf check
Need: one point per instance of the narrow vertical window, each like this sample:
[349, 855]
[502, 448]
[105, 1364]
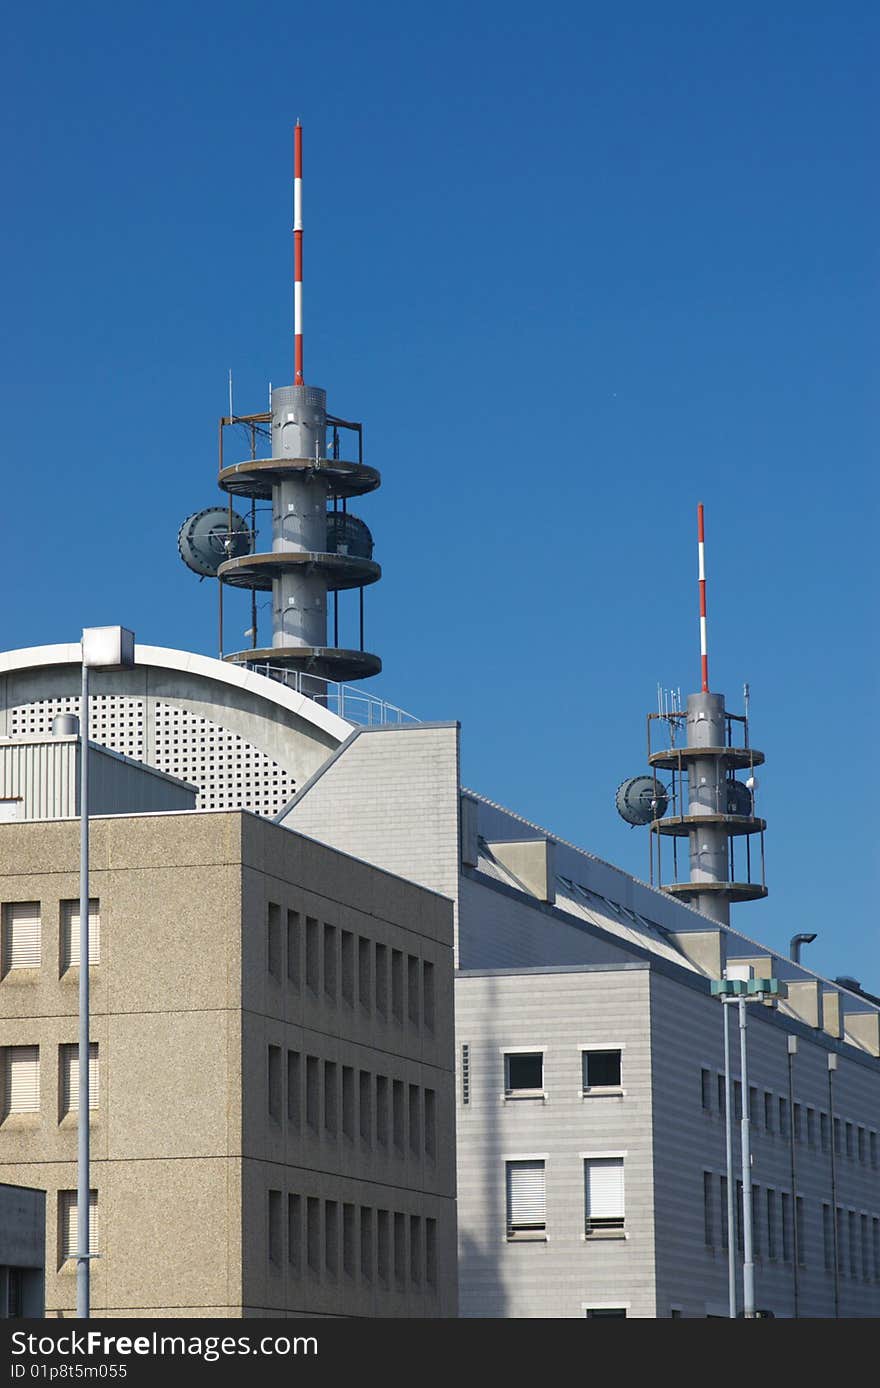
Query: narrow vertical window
[330, 962]
[772, 1242]
[465, 1074]
[381, 972]
[800, 1229]
[348, 1254]
[331, 1238]
[346, 951]
[383, 1245]
[786, 1227]
[294, 945]
[366, 1243]
[382, 1107]
[68, 1078]
[20, 1080]
[413, 978]
[400, 1251]
[294, 1089]
[828, 1238]
[331, 1097]
[294, 1232]
[68, 1225]
[428, 994]
[313, 962]
[273, 939]
[398, 1117]
[365, 974]
[431, 1123]
[313, 1092]
[415, 1120]
[706, 1089]
[365, 1105]
[274, 1082]
[397, 984]
[431, 1252]
[274, 1231]
[313, 1234]
[348, 1102]
[21, 930]
[415, 1250]
[709, 1208]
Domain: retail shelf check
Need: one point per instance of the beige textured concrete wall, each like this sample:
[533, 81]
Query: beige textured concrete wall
[166, 1016]
[181, 998]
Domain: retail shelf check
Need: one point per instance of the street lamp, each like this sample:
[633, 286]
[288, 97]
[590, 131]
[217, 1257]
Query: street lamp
[103, 648]
[741, 991]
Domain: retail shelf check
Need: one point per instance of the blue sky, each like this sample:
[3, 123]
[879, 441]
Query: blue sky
[576, 269]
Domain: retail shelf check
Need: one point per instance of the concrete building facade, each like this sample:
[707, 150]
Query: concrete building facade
[591, 1155]
[273, 1083]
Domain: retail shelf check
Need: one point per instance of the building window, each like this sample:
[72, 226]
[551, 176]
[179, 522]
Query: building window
[755, 1197]
[413, 989]
[465, 1073]
[800, 1229]
[602, 1069]
[823, 1131]
[273, 939]
[348, 1259]
[524, 1075]
[706, 1089]
[68, 1078]
[366, 1243]
[768, 1112]
[20, 945]
[862, 1145]
[605, 1312]
[273, 1087]
[873, 1146]
[853, 1251]
[828, 1238]
[331, 1097]
[753, 1105]
[331, 1238]
[798, 1123]
[526, 1199]
[772, 1246]
[293, 948]
[722, 1096]
[811, 1127]
[866, 1251]
[415, 1120]
[274, 1229]
[330, 962]
[294, 1232]
[365, 979]
[431, 1252]
[313, 962]
[709, 1208]
[786, 1227]
[346, 950]
[724, 1213]
[737, 1100]
[783, 1118]
[313, 1234]
[67, 1224]
[70, 934]
[294, 1089]
[397, 985]
[383, 1105]
[428, 994]
[875, 1238]
[415, 1249]
[603, 1195]
[850, 1142]
[20, 1077]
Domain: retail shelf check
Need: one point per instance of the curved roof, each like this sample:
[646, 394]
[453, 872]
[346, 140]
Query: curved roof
[187, 662]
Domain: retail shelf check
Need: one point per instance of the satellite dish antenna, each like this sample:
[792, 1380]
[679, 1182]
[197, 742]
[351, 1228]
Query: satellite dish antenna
[208, 538]
[347, 534]
[641, 799]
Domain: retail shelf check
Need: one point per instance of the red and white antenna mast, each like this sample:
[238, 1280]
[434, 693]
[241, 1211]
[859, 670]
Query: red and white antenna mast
[701, 551]
[297, 256]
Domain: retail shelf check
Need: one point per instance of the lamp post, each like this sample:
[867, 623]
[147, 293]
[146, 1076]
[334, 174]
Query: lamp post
[103, 648]
[742, 991]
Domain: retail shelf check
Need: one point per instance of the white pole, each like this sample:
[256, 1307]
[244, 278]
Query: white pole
[748, 1264]
[82, 1171]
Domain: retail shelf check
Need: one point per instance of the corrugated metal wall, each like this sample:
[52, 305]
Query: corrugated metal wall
[45, 776]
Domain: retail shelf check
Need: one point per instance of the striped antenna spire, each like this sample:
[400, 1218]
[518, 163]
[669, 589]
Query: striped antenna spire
[701, 550]
[297, 256]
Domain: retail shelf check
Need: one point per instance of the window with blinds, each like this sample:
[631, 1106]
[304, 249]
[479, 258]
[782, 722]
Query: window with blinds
[68, 1077]
[526, 1199]
[70, 934]
[20, 1078]
[21, 935]
[603, 1194]
[67, 1224]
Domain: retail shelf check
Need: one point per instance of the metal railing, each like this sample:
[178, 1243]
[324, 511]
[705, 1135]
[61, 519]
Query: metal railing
[352, 704]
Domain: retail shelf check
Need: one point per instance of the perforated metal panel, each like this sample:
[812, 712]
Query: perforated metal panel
[115, 721]
[231, 772]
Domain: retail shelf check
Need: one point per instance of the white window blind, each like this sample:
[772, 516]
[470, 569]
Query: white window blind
[70, 934]
[21, 935]
[67, 1223]
[603, 1178]
[526, 1203]
[21, 1079]
[69, 1074]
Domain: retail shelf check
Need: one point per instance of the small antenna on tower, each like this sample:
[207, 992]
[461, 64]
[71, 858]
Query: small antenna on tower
[704, 650]
[231, 410]
[298, 379]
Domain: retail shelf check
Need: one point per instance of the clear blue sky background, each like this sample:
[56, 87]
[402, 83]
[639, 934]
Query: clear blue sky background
[577, 266]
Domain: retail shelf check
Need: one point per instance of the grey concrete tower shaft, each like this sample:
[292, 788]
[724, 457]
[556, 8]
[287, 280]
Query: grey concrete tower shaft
[299, 517]
[708, 844]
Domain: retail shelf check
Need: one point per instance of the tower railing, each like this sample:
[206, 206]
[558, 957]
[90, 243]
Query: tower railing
[348, 702]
